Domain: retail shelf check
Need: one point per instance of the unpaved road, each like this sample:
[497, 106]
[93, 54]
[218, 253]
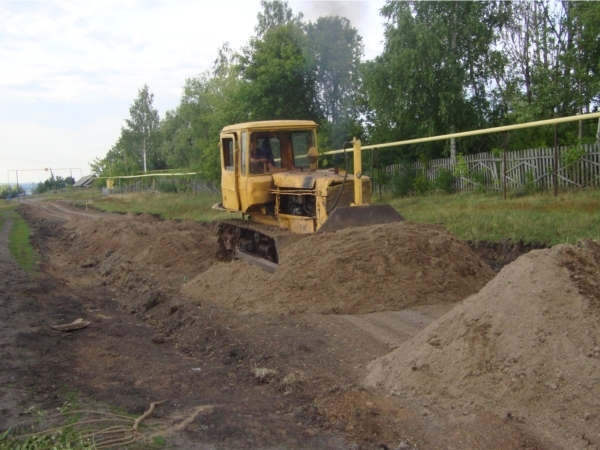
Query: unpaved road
[147, 343]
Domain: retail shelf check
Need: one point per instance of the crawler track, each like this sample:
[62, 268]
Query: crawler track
[255, 238]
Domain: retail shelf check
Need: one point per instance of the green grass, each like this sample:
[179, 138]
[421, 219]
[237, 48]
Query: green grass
[168, 206]
[79, 426]
[538, 217]
[67, 438]
[487, 217]
[18, 243]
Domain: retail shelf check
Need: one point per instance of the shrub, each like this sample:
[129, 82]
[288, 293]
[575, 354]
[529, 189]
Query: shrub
[421, 184]
[403, 182]
[444, 181]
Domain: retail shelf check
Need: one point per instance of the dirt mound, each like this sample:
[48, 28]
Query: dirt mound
[383, 267]
[527, 347]
[182, 245]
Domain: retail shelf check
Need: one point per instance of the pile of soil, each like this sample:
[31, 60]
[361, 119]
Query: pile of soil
[527, 348]
[144, 258]
[182, 245]
[359, 270]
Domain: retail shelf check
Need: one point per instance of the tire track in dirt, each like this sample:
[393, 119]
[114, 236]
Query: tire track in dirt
[392, 328]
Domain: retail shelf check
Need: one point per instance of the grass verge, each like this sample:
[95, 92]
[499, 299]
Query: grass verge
[168, 206]
[19, 244]
[79, 427]
[487, 217]
[539, 217]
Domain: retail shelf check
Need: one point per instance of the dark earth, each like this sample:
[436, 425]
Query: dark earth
[228, 380]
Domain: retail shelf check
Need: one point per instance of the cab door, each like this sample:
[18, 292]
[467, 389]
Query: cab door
[229, 172]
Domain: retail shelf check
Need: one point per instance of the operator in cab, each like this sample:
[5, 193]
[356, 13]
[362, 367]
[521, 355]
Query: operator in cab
[261, 157]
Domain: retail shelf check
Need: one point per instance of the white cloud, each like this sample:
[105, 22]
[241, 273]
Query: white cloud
[30, 146]
[69, 70]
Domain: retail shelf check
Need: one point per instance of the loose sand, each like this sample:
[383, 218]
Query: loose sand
[527, 347]
[378, 268]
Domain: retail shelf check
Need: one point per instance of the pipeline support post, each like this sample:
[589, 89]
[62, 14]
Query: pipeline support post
[555, 171]
[358, 200]
[504, 165]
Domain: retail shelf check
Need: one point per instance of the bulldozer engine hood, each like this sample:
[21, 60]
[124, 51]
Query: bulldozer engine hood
[307, 180]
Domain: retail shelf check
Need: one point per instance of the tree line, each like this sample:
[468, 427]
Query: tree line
[447, 66]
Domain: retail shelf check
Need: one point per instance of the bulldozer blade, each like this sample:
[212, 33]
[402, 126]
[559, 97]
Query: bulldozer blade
[360, 216]
[262, 263]
[285, 240]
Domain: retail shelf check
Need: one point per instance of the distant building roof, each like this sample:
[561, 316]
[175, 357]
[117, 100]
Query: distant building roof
[85, 181]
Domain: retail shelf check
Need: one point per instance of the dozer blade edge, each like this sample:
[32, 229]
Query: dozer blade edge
[341, 218]
[360, 216]
[345, 217]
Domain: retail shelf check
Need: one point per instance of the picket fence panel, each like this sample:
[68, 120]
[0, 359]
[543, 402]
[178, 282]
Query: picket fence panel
[524, 168]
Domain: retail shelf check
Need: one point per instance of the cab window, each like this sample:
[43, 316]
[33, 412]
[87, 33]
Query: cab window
[227, 149]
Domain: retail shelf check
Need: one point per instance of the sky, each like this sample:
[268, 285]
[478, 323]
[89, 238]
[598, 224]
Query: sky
[70, 70]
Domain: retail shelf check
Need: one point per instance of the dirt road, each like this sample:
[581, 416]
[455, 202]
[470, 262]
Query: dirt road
[230, 379]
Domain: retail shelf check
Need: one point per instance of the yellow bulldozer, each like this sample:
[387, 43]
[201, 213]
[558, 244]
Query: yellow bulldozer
[270, 174]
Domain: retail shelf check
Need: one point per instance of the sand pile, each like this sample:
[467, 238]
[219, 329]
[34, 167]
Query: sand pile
[384, 267]
[527, 347]
[182, 245]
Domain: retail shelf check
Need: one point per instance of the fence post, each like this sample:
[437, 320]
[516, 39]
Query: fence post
[504, 165]
[555, 175]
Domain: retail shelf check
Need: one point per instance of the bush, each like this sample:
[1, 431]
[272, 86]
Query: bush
[404, 181]
[421, 184]
[444, 181]
[479, 179]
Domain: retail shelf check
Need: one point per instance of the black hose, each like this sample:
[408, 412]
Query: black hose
[343, 182]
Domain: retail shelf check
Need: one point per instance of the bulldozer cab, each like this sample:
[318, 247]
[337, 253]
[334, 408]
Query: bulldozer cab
[281, 150]
[252, 152]
[229, 171]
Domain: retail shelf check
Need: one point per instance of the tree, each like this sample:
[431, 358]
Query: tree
[550, 51]
[275, 14]
[54, 183]
[279, 75]
[433, 74]
[142, 126]
[210, 101]
[336, 48]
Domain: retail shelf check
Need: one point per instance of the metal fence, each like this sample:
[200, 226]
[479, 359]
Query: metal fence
[575, 167]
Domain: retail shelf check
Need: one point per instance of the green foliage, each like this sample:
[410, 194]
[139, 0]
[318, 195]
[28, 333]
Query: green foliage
[529, 185]
[446, 66]
[572, 156]
[157, 440]
[10, 192]
[142, 129]
[169, 206]
[421, 184]
[19, 244]
[538, 217]
[337, 49]
[54, 183]
[570, 160]
[403, 182]
[66, 438]
[279, 75]
[137, 149]
[275, 14]
[478, 178]
[444, 181]
[434, 53]
[460, 167]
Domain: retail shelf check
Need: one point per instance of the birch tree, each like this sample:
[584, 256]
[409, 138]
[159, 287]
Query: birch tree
[143, 125]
